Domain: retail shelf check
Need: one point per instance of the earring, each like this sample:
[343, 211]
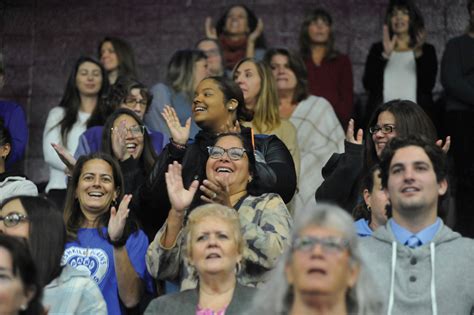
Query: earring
[369, 209]
[250, 179]
[23, 307]
[238, 268]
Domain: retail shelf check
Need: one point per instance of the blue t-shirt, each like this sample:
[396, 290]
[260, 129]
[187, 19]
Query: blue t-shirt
[94, 254]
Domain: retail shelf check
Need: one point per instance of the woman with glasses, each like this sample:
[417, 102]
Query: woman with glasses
[129, 94]
[322, 272]
[82, 97]
[231, 176]
[343, 173]
[218, 107]
[65, 290]
[403, 65]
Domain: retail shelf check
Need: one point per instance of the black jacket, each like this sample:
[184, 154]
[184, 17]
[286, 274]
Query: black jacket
[276, 174]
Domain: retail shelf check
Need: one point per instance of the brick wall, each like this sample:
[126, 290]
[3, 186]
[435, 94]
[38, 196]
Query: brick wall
[41, 39]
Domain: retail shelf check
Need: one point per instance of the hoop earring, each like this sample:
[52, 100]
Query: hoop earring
[369, 209]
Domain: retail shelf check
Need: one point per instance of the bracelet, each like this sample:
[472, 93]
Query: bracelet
[116, 244]
[177, 145]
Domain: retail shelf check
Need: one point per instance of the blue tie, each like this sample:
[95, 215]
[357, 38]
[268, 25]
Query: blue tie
[413, 241]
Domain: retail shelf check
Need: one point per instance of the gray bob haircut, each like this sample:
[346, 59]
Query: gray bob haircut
[276, 297]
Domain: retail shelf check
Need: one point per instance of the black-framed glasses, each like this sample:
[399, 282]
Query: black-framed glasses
[13, 219]
[136, 131]
[330, 245]
[386, 129]
[234, 153]
[130, 102]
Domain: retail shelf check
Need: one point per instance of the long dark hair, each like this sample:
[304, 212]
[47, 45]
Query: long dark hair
[47, 235]
[417, 23]
[73, 215]
[23, 266]
[71, 101]
[252, 21]
[125, 55]
[410, 119]
[148, 156]
[305, 41]
[296, 65]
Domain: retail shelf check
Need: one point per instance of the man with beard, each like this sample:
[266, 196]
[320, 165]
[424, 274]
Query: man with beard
[420, 265]
[457, 77]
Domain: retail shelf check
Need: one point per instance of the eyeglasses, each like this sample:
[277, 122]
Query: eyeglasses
[385, 129]
[12, 219]
[130, 102]
[136, 131]
[330, 245]
[234, 154]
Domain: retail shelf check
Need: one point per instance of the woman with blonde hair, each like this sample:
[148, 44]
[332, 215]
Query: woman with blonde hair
[214, 248]
[261, 96]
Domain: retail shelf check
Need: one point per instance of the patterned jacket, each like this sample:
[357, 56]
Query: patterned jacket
[266, 225]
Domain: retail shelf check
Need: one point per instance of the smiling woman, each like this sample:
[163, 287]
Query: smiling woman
[102, 238]
[264, 219]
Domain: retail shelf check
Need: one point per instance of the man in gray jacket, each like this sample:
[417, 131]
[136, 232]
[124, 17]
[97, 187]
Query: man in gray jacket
[420, 265]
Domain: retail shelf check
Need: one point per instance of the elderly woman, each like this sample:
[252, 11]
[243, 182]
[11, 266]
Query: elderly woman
[102, 239]
[20, 292]
[230, 180]
[66, 290]
[319, 132]
[323, 271]
[214, 247]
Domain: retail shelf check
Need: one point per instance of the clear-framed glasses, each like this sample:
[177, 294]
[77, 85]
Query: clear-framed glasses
[330, 245]
[13, 219]
[136, 131]
[386, 129]
[234, 153]
[130, 102]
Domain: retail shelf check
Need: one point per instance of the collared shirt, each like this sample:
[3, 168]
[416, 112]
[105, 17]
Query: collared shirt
[362, 228]
[425, 236]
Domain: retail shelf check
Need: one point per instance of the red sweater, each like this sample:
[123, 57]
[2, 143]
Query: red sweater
[333, 81]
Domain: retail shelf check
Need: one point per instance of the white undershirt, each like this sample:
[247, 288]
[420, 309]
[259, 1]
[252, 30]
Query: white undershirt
[399, 77]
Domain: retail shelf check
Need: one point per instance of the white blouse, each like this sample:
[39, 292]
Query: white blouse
[399, 78]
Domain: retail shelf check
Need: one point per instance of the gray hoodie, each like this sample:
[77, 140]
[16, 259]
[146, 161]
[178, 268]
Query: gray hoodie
[435, 278]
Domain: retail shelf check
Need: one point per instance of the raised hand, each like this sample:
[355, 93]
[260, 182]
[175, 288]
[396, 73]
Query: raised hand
[231, 127]
[446, 145]
[388, 43]
[210, 29]
[257, 32]
[66, 157]
[420, 41]
[119, 134]
[216, 192]
[350, 133]
[180, 134]
[118, 218]
[180, 197]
